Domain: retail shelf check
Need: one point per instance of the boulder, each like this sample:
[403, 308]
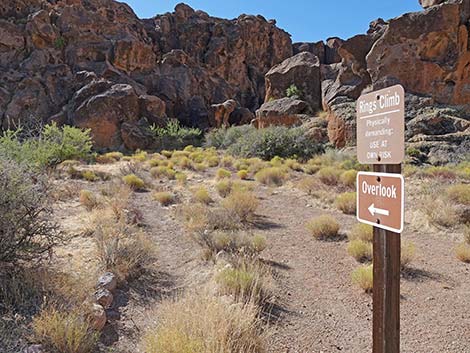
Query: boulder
[97, 317]
[107, 281]
[282, 112]
[104, 112]
[241, 116]
[342, 122]
[427, 52]
[301, 70]
[104, 298]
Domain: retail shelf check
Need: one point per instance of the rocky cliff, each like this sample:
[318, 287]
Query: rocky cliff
[93, 63]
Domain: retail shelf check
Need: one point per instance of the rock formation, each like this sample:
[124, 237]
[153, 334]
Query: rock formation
[94, 64]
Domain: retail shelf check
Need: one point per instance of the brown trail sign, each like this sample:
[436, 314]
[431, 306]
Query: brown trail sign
[380, 195]
[381, 126]
[380, 200]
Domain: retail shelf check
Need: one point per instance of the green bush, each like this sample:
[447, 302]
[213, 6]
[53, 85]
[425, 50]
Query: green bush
[53, 145]
[293, 91]
[26, 229]
[281, 141]
[174, 136]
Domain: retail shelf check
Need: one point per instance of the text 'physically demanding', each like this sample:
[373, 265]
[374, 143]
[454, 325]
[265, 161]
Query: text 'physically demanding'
[380, 126]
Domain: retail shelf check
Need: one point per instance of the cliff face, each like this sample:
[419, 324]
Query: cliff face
[93, 63]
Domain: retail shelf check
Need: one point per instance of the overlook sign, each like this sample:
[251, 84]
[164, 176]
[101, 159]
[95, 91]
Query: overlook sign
[380, 200]
[380, 126]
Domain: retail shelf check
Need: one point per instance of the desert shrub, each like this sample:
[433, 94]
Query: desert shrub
[166, 153]
[310, 185]
[140, 156]
[361, 231]
[224, 137]
[201, 194]
[241, 203]
[247, 141]
[223, 173]
[408, 251]
[181, 178]
[88, 199]
[293, 164]
[273, 176]
[205, 323]
[311, 168]
[133, 181]
[243, 174]
[360, 250]
[440, 211]
[212, 161]
[363, 277]
[227, 161]
[293, 91]
[329, 175]
[26, 227]
[163, 171]
[224, 187]
[48, 147]
[121, 248]
[462, 251]
[441, 172]
[174, 136]
[89, 175]
[348, 178]
[346, 202]
[164, 197]
[459, 193]
[276, 161]
[64, 331]
[247, 281]
[323, 227]
[115, 156]
[259, 243]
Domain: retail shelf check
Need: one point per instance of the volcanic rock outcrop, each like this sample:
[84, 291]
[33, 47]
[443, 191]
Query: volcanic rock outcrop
[94, 64]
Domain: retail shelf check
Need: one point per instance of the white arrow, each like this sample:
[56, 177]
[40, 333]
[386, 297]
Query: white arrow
[373, 210]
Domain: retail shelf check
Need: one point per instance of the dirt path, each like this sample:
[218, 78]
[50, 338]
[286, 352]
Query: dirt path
[322, 312]
[178, 267]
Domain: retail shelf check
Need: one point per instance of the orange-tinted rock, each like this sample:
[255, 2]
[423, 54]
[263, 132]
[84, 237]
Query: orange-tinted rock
[427, 53]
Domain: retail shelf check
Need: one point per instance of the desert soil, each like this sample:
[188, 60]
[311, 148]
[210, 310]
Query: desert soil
[317, 308]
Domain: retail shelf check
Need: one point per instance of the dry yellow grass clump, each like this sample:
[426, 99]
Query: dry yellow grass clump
[133, 181]
[363, 277]
[223, 173]
[241, 203]
[224, 187]
[459, 193]
[88, 199]
[64, 331]
[362, 232]
[408, 252]
[346, 202]
[273, 176]
[360, 250]
[201, 195]
[329, 175]
[248, 282]
[348, 178]
[462, 251]
[243, 174]
[323, 227]
[164, 197]
[204, 323]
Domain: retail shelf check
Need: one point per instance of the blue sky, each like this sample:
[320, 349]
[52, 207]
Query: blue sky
[305, 20]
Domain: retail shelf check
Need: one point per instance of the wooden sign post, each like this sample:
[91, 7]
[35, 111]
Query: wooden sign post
[380, 142]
